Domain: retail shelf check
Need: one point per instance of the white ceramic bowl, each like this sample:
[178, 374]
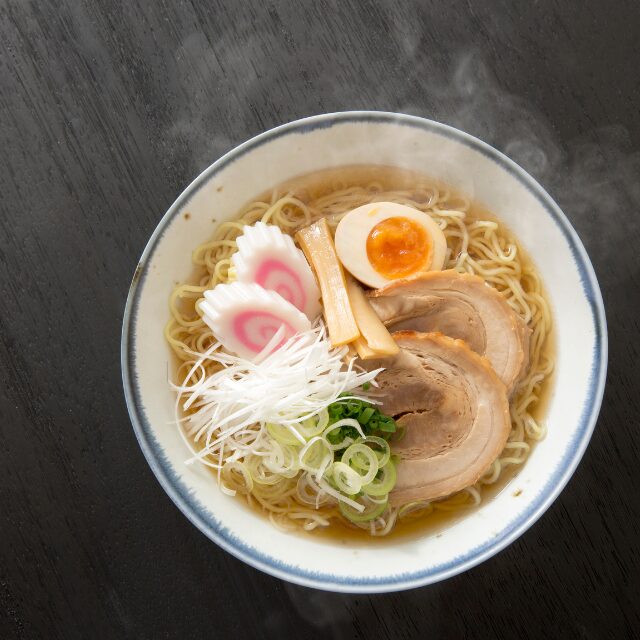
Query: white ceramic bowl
[435, 150]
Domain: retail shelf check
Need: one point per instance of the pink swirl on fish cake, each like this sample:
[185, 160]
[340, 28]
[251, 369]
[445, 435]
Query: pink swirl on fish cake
[277, 276]
[254, 329]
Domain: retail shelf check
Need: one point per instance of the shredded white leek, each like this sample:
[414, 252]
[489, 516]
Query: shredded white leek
[294, 383]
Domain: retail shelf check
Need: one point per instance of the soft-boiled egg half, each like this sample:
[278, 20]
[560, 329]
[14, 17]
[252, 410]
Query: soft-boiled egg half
[385, 241]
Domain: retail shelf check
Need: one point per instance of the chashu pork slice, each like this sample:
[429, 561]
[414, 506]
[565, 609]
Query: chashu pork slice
[460, 306]
[454, 410]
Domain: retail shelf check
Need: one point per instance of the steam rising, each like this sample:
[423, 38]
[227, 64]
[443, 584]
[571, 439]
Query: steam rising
[321, 609]
[593, 178]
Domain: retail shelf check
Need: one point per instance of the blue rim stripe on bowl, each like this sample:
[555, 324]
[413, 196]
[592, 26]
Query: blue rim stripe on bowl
[206, 521]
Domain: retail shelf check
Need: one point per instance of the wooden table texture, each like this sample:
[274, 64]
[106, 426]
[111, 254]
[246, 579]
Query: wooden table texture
[108, 109]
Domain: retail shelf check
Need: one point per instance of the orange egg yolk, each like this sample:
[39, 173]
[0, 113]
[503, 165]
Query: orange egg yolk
[398, 247]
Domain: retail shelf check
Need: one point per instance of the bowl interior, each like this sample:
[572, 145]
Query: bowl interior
[471, 167]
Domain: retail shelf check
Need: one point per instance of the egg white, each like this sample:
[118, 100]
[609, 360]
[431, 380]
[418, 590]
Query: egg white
[354, 229]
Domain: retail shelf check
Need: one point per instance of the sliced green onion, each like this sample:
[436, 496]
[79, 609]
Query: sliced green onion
[376, 500]
[385, 454]
[346, 479]
[341, 445]
[366, 414]
[371, 511]
[388, 425]
[362, 458]
[309, 428]
[283, 434]
[323, 419]
[382, 484]
[314, 426]
[260, 473]
[315, 456]
[283, 460]
[327, 488]
[309, 492]
[345, 422]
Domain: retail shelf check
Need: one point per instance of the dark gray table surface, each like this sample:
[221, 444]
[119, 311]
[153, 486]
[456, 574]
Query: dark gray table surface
[107, 110]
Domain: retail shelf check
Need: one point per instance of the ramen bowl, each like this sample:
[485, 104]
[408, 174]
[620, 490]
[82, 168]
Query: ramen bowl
[470, 166]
